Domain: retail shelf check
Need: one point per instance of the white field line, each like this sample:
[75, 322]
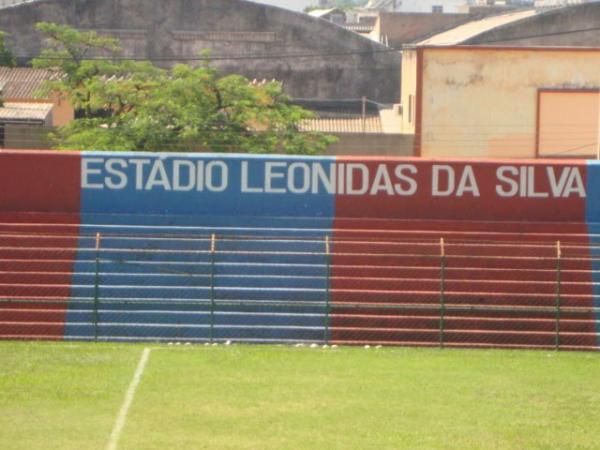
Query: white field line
[122, 417]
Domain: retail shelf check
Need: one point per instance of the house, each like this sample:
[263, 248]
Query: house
[25, 115]
[501, 102]
[24, 85]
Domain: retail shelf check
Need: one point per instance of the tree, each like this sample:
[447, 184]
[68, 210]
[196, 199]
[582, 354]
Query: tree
[129, 105]
[7, 58]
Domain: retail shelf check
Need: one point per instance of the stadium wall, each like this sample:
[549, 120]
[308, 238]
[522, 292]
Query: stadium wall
[73, 196]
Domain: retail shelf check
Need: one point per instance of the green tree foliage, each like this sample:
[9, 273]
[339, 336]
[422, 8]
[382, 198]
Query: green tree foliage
[7, 58]
[130, 105]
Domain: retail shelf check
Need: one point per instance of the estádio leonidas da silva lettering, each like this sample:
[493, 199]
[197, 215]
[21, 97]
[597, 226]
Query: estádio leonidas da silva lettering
[325, 177]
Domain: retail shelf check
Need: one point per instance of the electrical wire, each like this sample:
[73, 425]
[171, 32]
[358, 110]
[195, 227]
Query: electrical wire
[299, 55]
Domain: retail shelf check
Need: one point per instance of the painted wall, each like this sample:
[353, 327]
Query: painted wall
[158, 198]
[483, 102]
[408, 90]
[205, 188]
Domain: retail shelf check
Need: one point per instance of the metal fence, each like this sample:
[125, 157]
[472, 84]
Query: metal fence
[346, 288]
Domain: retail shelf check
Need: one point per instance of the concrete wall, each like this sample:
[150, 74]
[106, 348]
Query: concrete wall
[351, 144]
[25, 136]
[342, 64]
[557, 27]
[483, 102]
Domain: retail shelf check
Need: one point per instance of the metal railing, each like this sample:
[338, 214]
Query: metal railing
[347, 288]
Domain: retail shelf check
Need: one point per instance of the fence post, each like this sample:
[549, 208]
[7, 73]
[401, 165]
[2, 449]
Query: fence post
[364, 114]
[95, 315]
[558, 294]
[327, 291]
[212, 286]
[442, 291]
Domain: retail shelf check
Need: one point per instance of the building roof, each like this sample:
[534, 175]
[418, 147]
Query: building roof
[325, 12]
[9, 3]
[359, 27]
[343, 125]
[341, 116]
[22, 83]
[469, 30]
[25, 112]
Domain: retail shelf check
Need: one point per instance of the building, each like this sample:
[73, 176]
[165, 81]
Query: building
[23, 85]
[313, 58]
[417, 6]
[333, 15]
[501, 102]
[294, 5]
[559, 3]
[26, 115]
[360, 126]
[398, 29]
[568, 25]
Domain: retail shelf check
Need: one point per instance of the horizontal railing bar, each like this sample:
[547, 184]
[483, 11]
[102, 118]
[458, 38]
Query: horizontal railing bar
[315, 304]
[285, 253]
[388, 231]
[194, 339]
[302, 315]
[460, 331]
[550, 320]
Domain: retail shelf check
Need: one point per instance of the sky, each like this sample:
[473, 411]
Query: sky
[296, 5]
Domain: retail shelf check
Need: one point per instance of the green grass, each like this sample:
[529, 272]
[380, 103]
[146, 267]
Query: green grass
[67, 396]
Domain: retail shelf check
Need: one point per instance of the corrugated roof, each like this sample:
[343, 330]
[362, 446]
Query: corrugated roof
[340, 125]
[22, 83]
[21, 112]
[359, 27]
[469, 30]
[341, 116]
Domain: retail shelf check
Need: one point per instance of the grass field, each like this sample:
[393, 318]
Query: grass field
[68, 396]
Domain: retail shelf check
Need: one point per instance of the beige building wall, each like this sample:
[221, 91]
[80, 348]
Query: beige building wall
[484, 102]
[63, 111]
[408, 91]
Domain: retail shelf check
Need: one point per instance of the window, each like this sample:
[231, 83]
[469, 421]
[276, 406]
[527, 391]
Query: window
[437, 9]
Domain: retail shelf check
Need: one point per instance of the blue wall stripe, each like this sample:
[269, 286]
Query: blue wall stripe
[593, 221]
[157, 285]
